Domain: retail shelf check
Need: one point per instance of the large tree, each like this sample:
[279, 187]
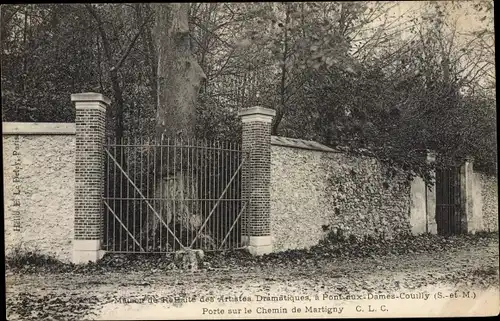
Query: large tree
[179, 75]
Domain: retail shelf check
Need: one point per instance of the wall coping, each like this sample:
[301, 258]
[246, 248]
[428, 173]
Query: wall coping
[301, 143]
[490, 175]
[15, 128]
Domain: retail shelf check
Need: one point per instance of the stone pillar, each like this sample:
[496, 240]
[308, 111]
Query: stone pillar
[423, 200]
[256, 178]
[89, 175]
[467, 201]
[430, 197]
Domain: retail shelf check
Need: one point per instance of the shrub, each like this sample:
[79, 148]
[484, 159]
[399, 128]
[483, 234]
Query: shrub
[21, 257]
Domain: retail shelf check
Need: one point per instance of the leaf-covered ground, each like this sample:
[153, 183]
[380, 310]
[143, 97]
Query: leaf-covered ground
[62, 291]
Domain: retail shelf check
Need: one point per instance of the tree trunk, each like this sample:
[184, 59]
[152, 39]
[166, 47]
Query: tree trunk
[25, 53]
[179, 75]
[148, 46]
[280, 112]
[178, 82]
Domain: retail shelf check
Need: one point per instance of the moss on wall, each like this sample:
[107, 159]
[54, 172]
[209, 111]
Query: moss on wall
[313, 193]
[489, 195]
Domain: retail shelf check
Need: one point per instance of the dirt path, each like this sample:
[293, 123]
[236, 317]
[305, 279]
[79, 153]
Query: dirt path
[104, 295]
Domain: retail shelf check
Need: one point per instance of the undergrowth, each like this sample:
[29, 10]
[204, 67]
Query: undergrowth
[334, 246]
[20, 257]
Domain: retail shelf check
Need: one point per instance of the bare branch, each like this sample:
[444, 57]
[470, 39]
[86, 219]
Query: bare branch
[102, 32]
[131, 44]
[225, 64]
[6, 20]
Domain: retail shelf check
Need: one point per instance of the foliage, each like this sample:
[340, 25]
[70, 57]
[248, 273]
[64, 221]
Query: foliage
[390, 78]
[46, 52]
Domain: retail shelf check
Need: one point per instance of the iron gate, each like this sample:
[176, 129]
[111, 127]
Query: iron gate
[448, 200]
[169, 195]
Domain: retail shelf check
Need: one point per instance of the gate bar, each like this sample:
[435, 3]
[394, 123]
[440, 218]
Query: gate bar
[116, 217]
[234, 223]
[217, 203]
[145, 199]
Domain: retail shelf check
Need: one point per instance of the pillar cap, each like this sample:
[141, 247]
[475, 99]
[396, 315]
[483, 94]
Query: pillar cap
[469, 158]
[257, 114]
[431, 156]
[257, 110]
[90, 97]
[427, 154]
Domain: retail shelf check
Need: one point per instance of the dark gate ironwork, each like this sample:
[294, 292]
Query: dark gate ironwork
[164, 196]
[448, 200]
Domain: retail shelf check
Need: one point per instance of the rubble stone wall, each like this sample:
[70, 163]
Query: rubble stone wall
[39, 185]
[489, 201]
[315, 192]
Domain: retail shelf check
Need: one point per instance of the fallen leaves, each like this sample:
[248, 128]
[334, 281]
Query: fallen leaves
[369, 247]
[66, 291]
[48, 307]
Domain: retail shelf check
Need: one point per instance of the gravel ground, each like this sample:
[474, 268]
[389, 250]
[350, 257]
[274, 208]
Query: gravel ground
[76, 295]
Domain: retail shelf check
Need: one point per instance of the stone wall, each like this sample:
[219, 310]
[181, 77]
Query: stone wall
[314, 192]
[39, 185]
[489, 201]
